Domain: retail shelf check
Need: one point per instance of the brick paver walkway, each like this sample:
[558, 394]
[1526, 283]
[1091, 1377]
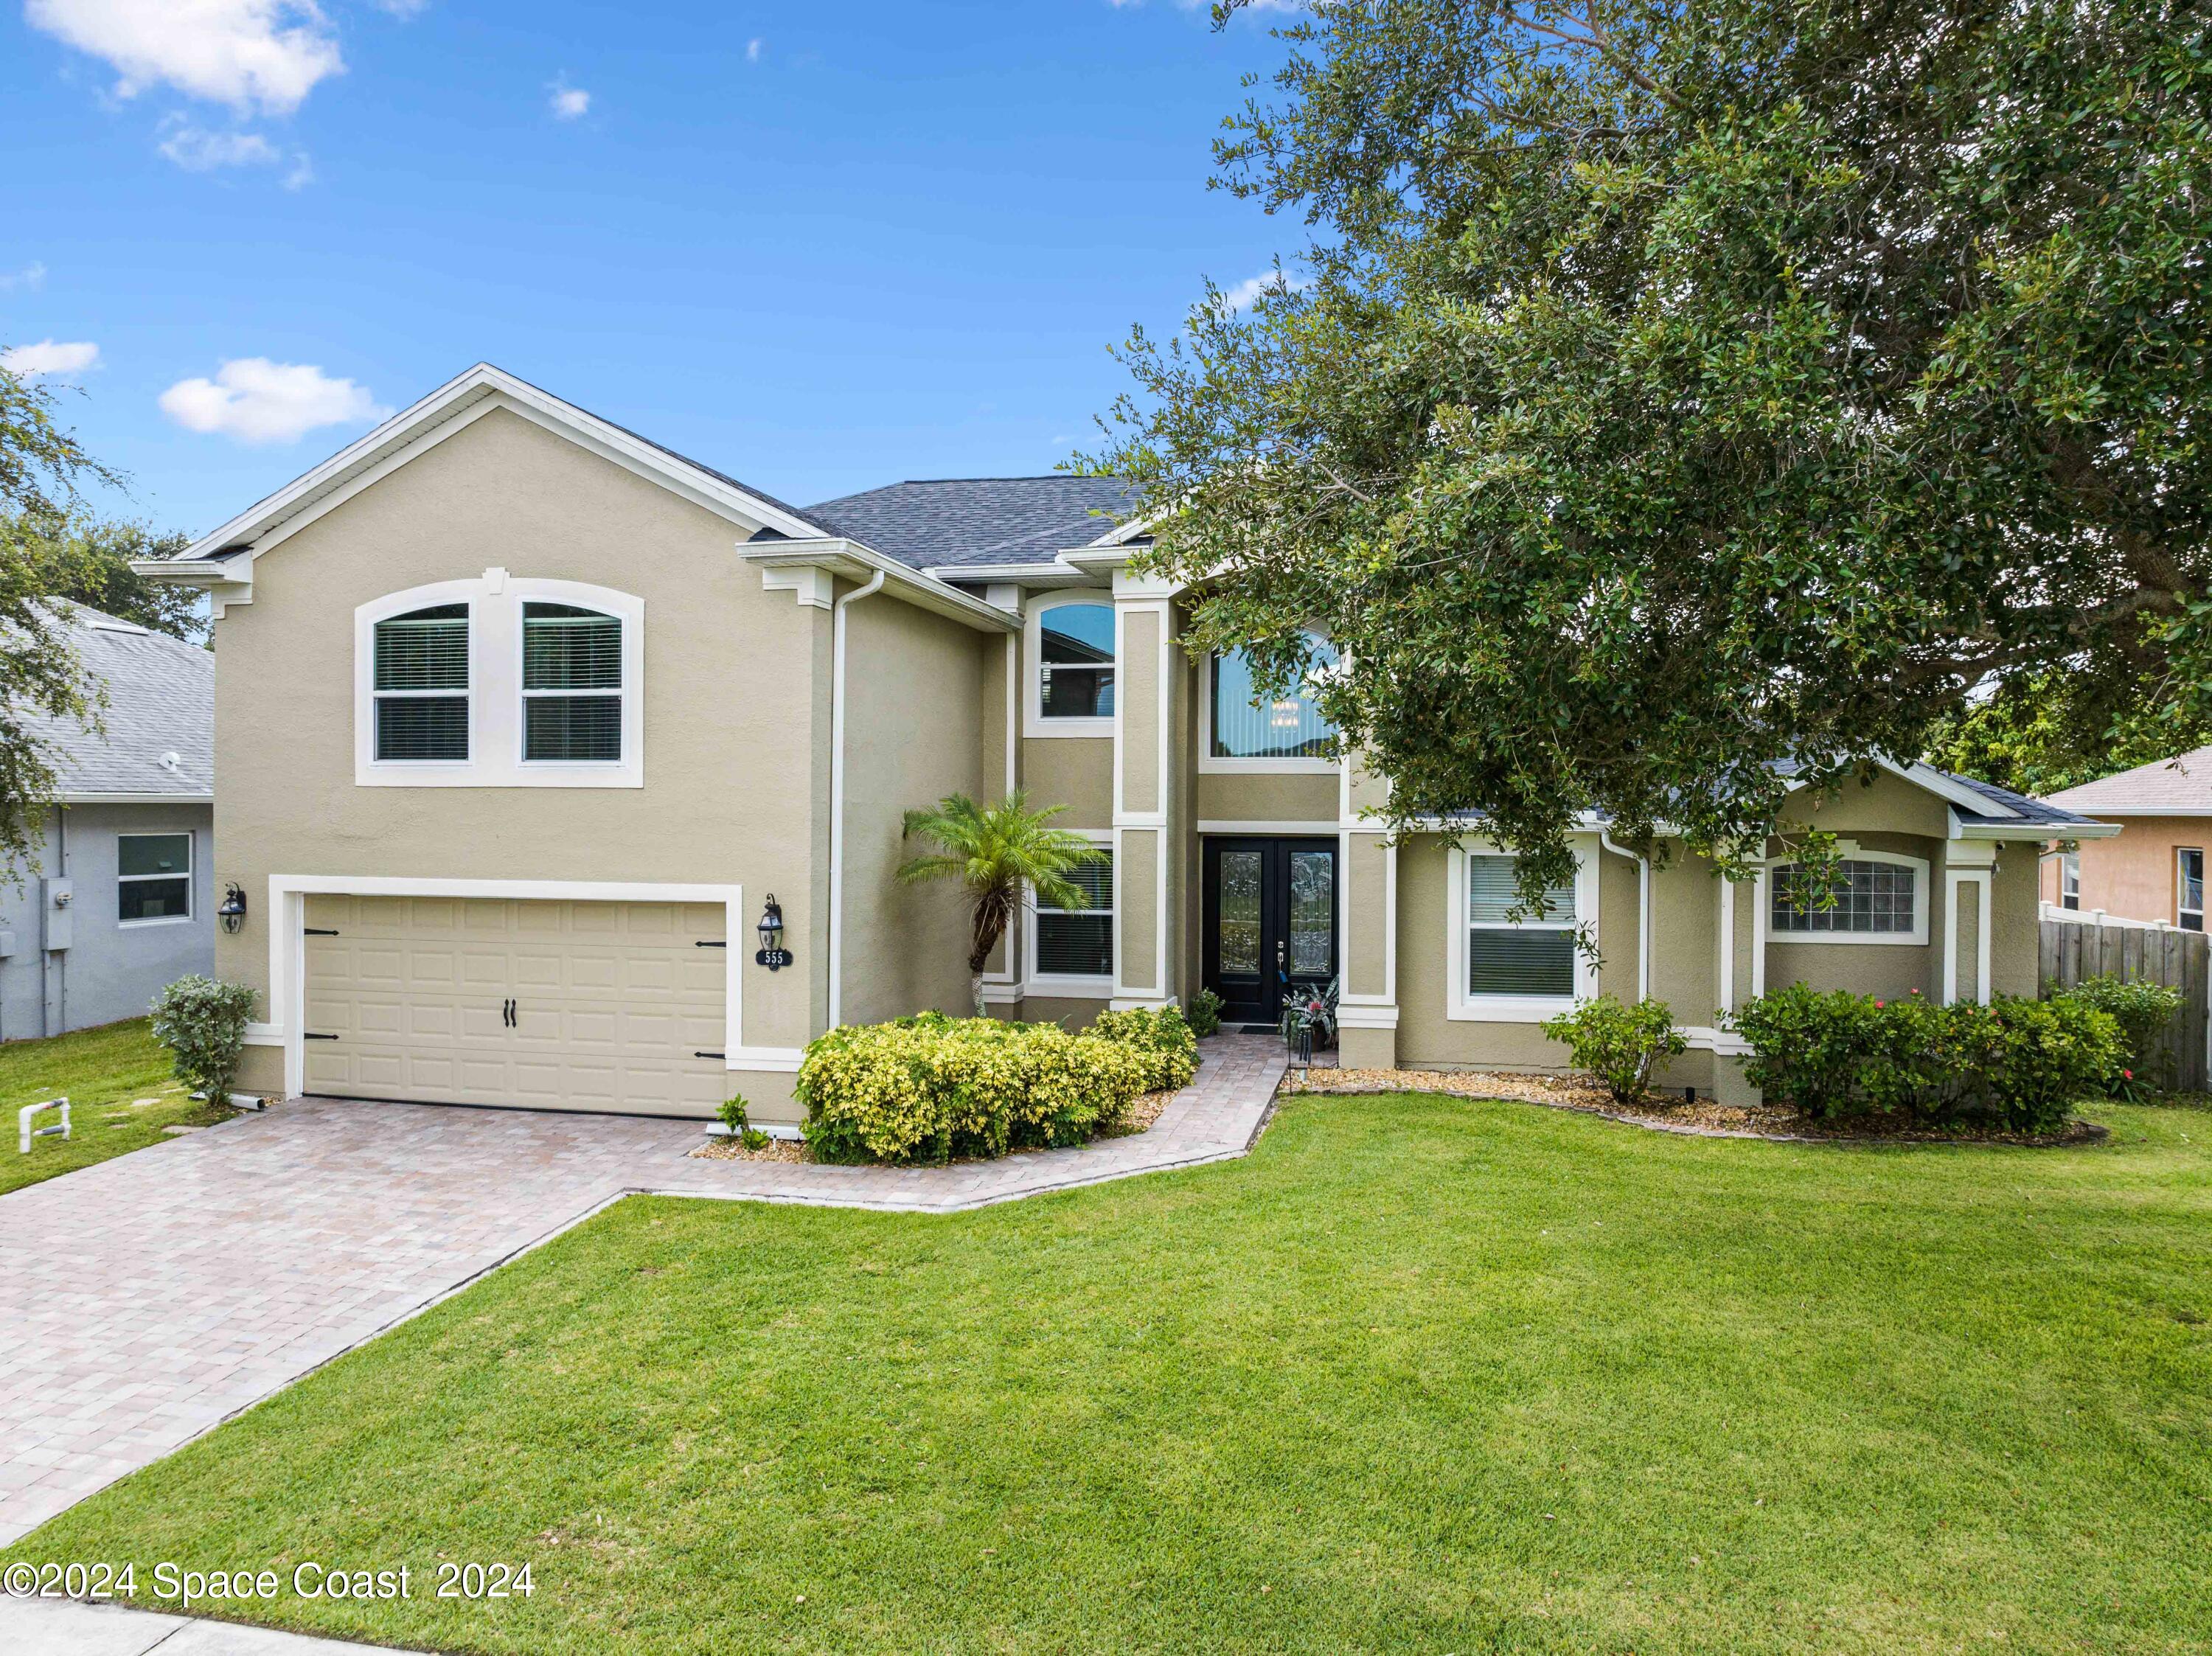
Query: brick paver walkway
[148, 1298]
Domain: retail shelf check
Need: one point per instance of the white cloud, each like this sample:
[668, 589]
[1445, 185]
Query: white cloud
[198, 150]
[1245, 293]
[50, 356]
[567, 103]
[266, 54]
[302, 173]
[257, 401]
[753, 49]
[31, 278]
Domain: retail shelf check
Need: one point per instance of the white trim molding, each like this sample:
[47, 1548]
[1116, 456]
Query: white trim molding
[1068, 986]
[288, 954]
[495, 600]
[1965, 866]
[1460, 1006]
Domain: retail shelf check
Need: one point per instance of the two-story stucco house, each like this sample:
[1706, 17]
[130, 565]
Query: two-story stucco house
[524, 722]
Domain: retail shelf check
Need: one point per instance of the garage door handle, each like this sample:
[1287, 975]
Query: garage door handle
[507, 1012]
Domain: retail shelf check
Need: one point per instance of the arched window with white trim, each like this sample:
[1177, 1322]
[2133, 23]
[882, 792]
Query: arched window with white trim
[572, 684]
[421, 677]
[1881, 897]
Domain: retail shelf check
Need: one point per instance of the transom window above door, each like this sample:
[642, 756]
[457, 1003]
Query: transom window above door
[1246, 730]
[501, 681]
[1075, 662]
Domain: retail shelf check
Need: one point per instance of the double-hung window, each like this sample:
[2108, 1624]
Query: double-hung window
[1078, 943]
[422, 686]
[1075, 661]
[153, 876]
[2189, 888]
[2069, 880]
[572, 684]
[1527, 954]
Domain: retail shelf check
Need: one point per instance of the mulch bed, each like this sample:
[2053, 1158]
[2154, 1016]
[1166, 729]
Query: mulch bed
[1704, 1119]
[1139, 1118]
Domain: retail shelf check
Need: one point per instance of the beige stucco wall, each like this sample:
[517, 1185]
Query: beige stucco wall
[1074, 771]
[735, 756]
[1245, 796]
[906, 946]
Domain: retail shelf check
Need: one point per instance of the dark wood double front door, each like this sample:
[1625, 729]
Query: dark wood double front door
[1270, 922]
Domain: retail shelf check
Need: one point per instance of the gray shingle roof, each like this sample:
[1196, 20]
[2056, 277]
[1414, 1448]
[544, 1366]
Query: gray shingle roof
[2035, 810]
[161, 701]
[946, 522]
[2179, 786]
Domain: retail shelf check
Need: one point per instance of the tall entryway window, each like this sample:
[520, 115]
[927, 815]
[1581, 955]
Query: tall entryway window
[1270, 922]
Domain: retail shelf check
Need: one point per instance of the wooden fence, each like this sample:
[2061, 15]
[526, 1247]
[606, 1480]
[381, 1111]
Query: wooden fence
[2077, 946]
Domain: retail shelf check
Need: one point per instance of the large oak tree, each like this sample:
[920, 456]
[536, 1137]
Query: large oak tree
[1667, 391]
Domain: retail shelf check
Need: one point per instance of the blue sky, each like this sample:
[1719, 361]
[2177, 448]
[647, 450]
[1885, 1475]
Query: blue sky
[822, 246]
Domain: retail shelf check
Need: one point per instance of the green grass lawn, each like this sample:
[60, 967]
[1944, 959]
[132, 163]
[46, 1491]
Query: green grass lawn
[102, 1073]
[1420, 1374]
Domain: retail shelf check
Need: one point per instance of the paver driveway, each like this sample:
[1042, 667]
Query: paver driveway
[145, 1300]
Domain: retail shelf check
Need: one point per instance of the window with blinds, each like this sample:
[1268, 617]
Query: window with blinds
[422, 685]
[1079, 943]
[1288, 727]
[572, 684]
[1532, 955]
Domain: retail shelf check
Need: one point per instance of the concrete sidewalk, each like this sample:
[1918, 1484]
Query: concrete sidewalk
[61, 1627]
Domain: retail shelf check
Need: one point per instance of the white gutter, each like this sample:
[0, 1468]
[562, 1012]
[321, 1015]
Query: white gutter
[1643, 911]
[837, 793]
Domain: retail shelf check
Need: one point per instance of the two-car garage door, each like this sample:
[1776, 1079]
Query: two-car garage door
[544, 1005]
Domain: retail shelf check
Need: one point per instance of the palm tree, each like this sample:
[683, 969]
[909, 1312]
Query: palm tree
[994, 852]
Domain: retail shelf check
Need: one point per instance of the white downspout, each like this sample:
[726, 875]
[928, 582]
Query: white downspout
[1642, 912]
[837, 795]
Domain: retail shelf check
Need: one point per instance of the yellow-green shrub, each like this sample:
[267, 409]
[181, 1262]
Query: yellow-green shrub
[932, 1088]
[1162, 1034]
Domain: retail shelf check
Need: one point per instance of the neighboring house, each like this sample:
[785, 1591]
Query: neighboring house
[2155, 871]
[116, 902]
[526, 721]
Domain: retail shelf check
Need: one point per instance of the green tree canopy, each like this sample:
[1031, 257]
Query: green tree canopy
[1675, 390]
[90, 557]
[40, 676]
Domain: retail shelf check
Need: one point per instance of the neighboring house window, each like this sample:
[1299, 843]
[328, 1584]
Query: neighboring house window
[1532, 955]
[153, 876]
[572, 684]
[1078, 943]
[1289, 726]
[2189, 889]
[422, 685]
[1075, 662]
[2069, 880]
[1880, 900]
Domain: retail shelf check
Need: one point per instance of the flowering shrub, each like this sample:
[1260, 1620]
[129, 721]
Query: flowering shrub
[1619, 1045]
[2143, 1010]
[1161, 1035]
[202, 1023]
[1205, 1013]
[2016, 1064]
[930, 1088]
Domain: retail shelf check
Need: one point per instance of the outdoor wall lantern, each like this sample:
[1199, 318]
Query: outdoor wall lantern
[231, 913]
[773, 955]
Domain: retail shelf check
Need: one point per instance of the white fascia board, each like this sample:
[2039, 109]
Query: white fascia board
[204, 795]
[1035, 575]
[1951, 793]
[854, 562]
[455, 397]
[2023, 829]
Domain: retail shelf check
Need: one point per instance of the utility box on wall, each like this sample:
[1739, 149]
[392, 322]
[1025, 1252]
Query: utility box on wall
[57, 901]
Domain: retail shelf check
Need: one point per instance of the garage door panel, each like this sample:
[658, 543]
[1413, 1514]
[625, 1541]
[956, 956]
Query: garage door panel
[612, 1001]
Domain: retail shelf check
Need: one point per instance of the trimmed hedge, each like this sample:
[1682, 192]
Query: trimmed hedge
[930, 1087]
[1619, 1045]
[2015, 1063]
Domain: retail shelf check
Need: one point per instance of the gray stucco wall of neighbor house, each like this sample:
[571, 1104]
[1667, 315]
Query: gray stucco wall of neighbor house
[111, 970]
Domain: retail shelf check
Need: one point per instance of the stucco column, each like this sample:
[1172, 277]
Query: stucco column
[1367, 924]
[1143, 733]
[1967, 931]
